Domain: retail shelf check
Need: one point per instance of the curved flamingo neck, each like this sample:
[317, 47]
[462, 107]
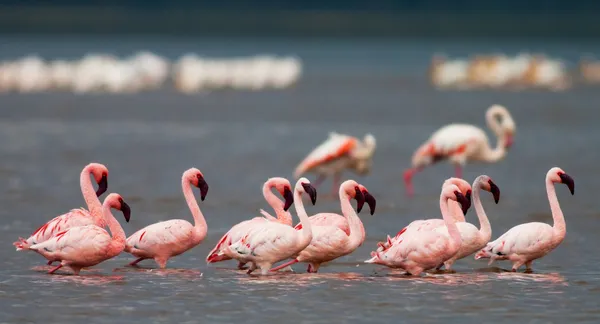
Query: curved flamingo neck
[117, 244]
[455, 239]
[485, 229]
[276, 203]
[497, 153]
[560, 227]
[89, 195]
[199, 222]
[306, 232]
[355, 238]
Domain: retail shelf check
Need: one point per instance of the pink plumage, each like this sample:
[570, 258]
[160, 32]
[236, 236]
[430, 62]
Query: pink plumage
[527, 242]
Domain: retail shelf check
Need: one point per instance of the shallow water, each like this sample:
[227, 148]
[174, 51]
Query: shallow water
[239, 139]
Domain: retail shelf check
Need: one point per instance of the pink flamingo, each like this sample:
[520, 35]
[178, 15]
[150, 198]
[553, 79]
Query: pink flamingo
[76, 217]
[337, 153]
[429, 224]
[163, 240]
[329, 242]
[527, 242]
[425, 250]
[460, 143]
[274, 242]
[238, 231]
[473, 239]
[86, 246]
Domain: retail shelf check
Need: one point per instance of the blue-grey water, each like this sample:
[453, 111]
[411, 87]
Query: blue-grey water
[239, 139]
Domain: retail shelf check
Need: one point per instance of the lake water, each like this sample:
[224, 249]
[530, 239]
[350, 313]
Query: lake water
[239, 139]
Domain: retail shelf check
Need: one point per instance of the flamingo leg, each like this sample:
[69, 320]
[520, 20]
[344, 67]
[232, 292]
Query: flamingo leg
[287, 264]
[408, 174]
[55, 268]
[458, 171]
[134, 263]
[319, 180]
[241, 266]
[336, 181]
[49, 262]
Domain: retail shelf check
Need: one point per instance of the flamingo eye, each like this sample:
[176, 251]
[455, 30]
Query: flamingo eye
[120, 200]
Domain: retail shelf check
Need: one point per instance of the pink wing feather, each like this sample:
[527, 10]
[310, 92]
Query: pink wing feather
[334, 147]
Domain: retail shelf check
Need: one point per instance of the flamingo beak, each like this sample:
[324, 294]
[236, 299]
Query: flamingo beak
[468, 196]
[311, 191]
[509, 140]
[102, 186]
[360, 199]
[203, 187]
[494, 190]
[463, 201]
[126, 211]
[289, 198]
[370, 201]
[566, 179]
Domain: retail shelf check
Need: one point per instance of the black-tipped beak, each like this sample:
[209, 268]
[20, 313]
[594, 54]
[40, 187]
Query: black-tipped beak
[289, 198]
[102, 186]
[360, 199]
[311, 191]
[566, 179]
[126, 211]
[468, 196]
[495, 191]
[203, 188]
[463, 201]
[370, 200]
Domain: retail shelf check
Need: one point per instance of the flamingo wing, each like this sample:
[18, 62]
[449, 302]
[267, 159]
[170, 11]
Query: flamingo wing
[73, 218]
[328, 243]
[328, 219]
[153, 238]
[272, 238]
[77, 244]
[334, 147]
[233, 235]
[528, 238]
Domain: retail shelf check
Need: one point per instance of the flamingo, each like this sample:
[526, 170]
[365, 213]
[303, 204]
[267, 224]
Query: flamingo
[429, 224]
[337, 153]
[329, 242]
[75, 217]
[425, 250]
[460, 143]
[163, 240]
[527, 242]
[86, 246]
[238, 231]
[473, 239]
[274, 242]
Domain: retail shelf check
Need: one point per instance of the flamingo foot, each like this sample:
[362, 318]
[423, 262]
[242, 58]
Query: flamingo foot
[53, 270]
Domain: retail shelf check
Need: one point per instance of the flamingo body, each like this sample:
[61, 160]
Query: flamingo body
[329, 219]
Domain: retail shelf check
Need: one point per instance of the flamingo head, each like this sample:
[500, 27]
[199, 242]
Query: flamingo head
[566, 179]
[100, 173]
[198, 181]
[464, 187]
[307, 188]
[486, 183]
[452, 191]
[125, 209]
[116, 201]
[285, 189]
[369, 199]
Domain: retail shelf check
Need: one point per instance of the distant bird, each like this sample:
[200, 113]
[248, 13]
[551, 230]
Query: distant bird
[274, 242]
[425, 250]
[527, 242]
[337, 153]
[456, 210]
[76, 217]
[238, 231]
[329, 242]
[460, 143]
[164, 240]
[473, 238]
[86, 246]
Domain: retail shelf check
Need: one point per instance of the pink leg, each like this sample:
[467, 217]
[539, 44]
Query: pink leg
[241, 266]
[162, 262]
[408, 174]
[336, 183]
[458, 171]
[286, 264]
[319, 180]
[134, 263]
[55, 268]
[50, 262]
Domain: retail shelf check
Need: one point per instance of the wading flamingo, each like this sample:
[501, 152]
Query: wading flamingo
[473, 239]
[76, 217]
[274, 242]
[163, 240]
[460, 143]
[329, 242]
[425, 250]
[238, 231]
[456, 210]
[86, 246]
[337, 153]
[527, 242]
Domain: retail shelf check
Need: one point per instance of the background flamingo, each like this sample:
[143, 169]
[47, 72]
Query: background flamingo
[473, 239]
[86, 246]
[527, 242]
[163, 240]
[274, 242]
[456, 210]
[337, 153]
[460, 143]
[329, 242]
[238, 231]
[76, 217]
[425, 250]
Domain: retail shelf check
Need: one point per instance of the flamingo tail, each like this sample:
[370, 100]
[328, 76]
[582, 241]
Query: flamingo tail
[287, 264]
[21, 244]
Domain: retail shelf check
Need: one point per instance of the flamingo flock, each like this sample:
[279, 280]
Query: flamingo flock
[78, 239]
[146, 71]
